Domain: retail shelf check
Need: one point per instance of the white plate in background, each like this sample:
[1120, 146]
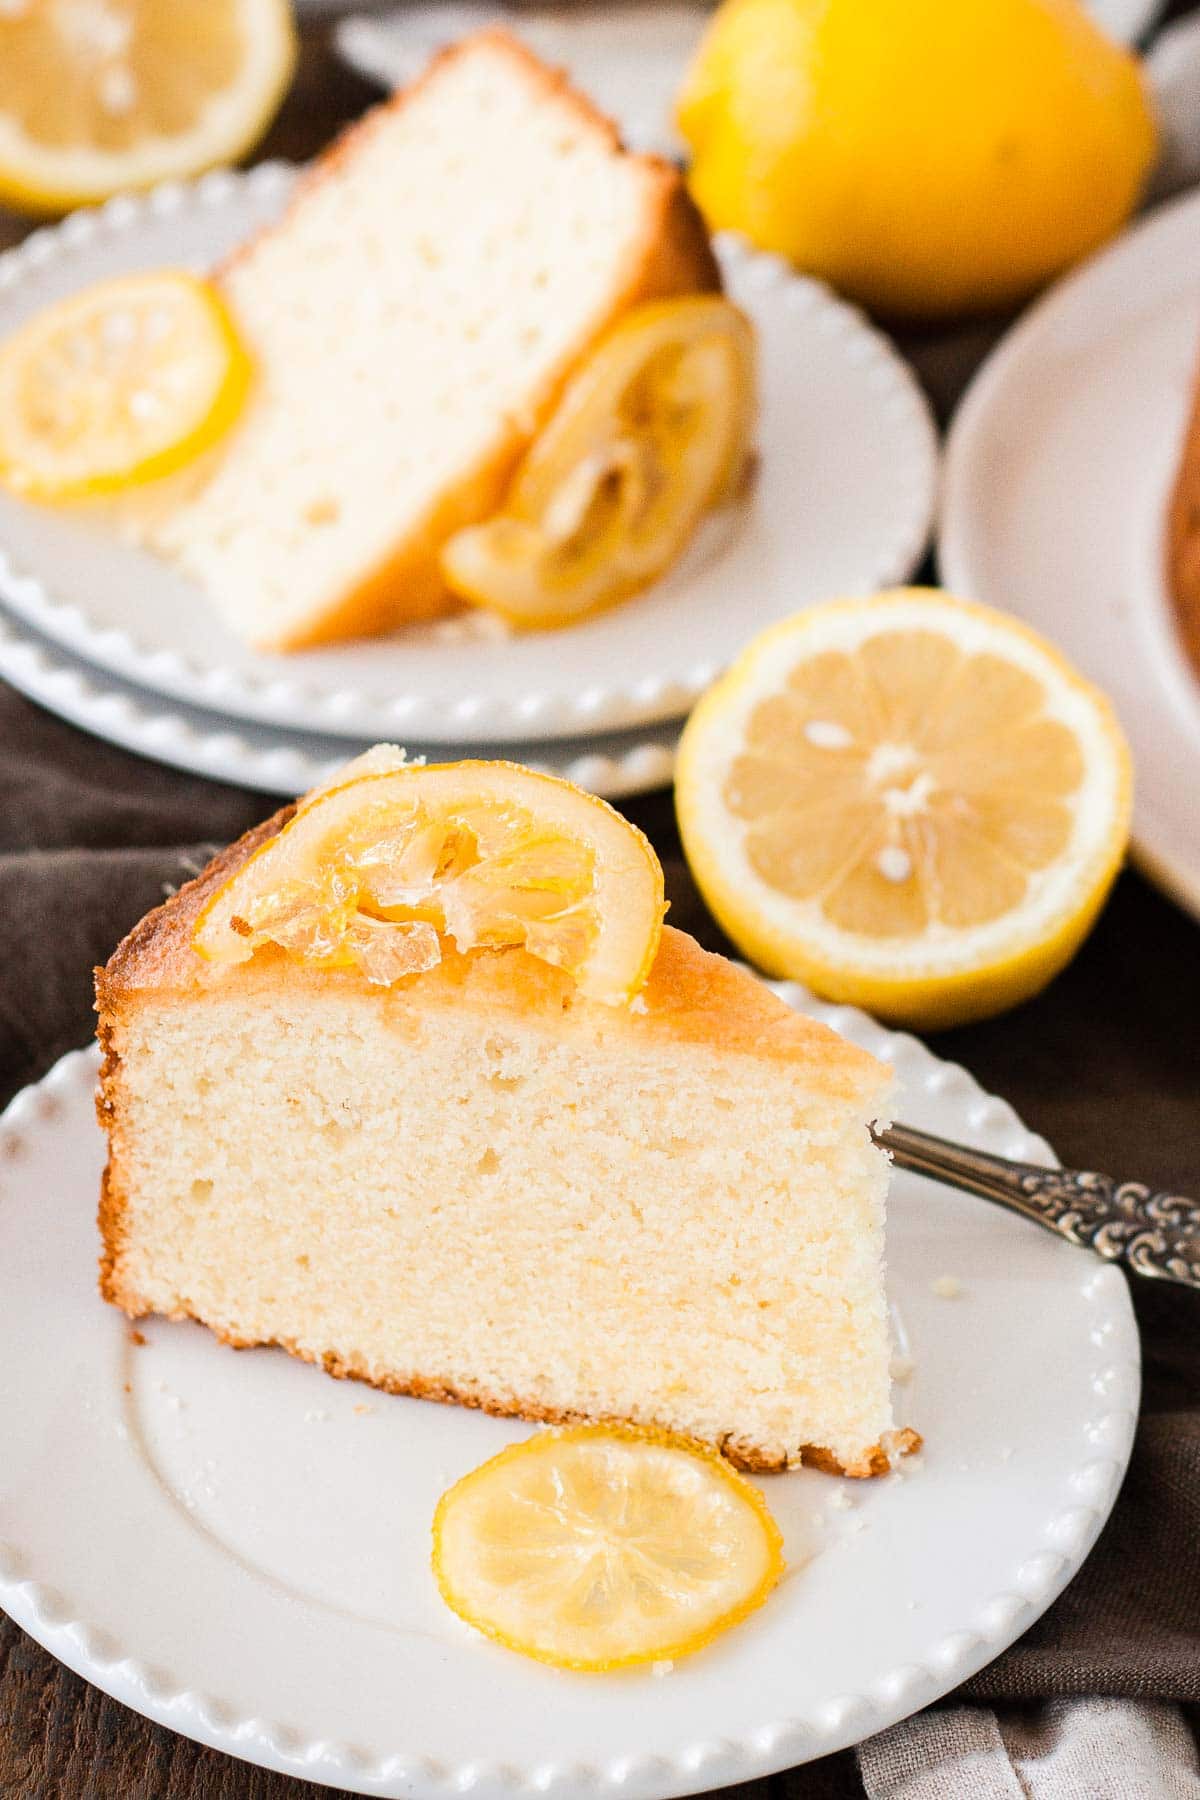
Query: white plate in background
[1058, 469]
[238, 1546]
[273, 761]
[628, 58]
[841, 504]
[1127, 20]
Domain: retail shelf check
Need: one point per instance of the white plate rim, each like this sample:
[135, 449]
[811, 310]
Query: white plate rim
[284, 699]
[1105, 1443]
[986, 395]
[278, 763]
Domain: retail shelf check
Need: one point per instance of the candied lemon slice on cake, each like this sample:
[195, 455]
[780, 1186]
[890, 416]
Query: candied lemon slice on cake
[121, 383]
[652, 430]
[599, 1547]
[910, 802]
[101, 95]
[373, 872]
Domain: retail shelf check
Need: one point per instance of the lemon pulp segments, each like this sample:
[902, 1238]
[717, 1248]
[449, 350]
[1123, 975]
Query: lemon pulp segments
[101, 95]
[909, 802]
[600, 1547]
[121, 383]
[652, 429]
[373, 874]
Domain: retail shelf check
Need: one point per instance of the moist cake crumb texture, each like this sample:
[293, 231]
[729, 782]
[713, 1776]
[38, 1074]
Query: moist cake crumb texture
[475, 1186]
[412, 319]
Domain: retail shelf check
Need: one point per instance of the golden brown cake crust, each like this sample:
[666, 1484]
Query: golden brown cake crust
[878, 1460]
[691, 996]
[688, 990]
[673, 257]
[1183, 536]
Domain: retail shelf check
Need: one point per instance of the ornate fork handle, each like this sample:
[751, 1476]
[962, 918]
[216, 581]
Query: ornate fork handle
[1153, 1234]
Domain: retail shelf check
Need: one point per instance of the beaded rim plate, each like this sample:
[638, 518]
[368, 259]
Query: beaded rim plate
[286, 762]
[842, 504]
[238, 1547]
[1059, 466]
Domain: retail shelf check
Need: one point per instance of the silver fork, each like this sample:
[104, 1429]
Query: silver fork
[1150, 1233]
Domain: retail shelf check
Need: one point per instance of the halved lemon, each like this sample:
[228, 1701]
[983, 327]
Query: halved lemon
[912, 803]
[599, 1547]
[374, 872]
[101, 95]
[652, 430]
[116, 385]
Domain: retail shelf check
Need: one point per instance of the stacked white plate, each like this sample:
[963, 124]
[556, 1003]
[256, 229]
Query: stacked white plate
[123, 646]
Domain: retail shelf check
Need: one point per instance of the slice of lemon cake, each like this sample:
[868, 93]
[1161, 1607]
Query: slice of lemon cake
[412, 319]
[412, 1082]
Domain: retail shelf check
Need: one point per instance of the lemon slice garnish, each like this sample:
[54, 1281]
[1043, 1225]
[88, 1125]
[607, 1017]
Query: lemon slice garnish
[652, 430]
[374, 873]
[97, 96]
[116, 385]
[599, 1547]
[911, 803]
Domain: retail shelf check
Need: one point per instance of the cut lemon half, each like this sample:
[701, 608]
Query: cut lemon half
[101, 95]
[116, 385]
[911, 803]
[373, 873]
[599, 1547]
[652, 430]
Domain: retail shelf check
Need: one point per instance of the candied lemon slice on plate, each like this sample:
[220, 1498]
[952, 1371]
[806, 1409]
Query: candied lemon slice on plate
[373, 872]
[652, 429]
[101, 95]
[116, 385]
[599, 1547]
[911, 803]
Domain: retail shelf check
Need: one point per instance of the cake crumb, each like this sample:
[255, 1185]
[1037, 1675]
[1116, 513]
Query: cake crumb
[174, 1403]
[363, 1408]
[841, 1501]
[659, 1669]
[947, 1287]
[136, 1336]
[903, 1369]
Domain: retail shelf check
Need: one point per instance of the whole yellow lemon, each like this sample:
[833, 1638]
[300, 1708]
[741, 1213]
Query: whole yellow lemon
[927, 157]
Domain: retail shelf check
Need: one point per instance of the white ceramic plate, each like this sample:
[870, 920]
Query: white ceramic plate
[630, 56]
[278, 762]
[1058, 468]
[238, 1546]
[842, 504]
[1127, 20]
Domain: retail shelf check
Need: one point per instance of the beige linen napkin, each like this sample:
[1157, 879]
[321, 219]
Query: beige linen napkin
[1063, 1750]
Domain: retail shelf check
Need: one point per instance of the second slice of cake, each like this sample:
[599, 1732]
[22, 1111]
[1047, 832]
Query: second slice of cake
[412, 319]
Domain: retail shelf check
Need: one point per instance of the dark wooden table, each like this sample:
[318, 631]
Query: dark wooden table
[1107, 1066]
